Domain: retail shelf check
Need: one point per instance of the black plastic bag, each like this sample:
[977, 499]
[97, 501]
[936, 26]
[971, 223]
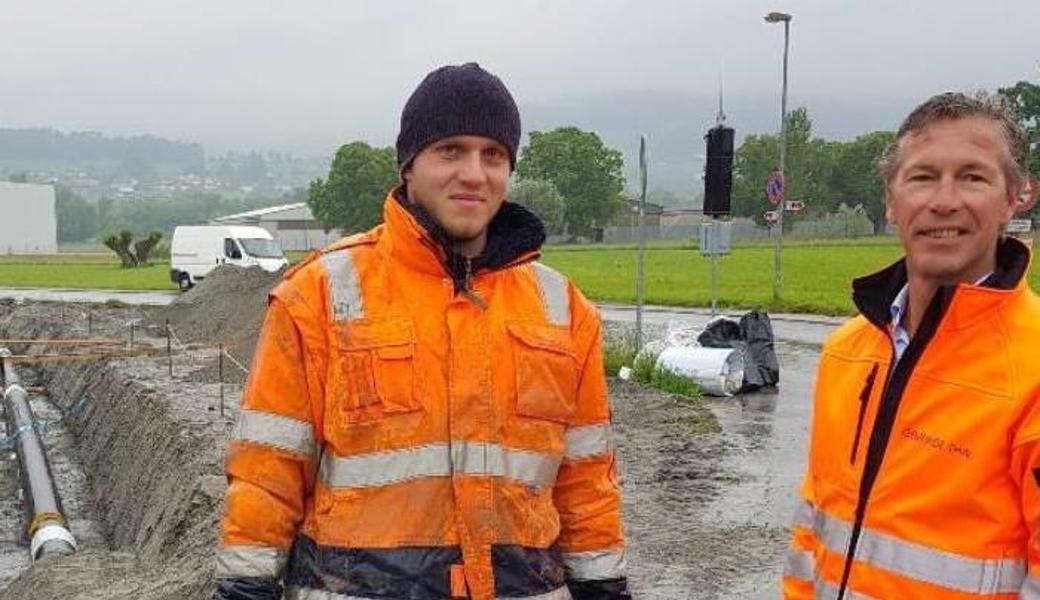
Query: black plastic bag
[752, 336]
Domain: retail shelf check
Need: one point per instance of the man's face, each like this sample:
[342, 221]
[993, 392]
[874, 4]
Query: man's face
[950, 198]
[462, 182]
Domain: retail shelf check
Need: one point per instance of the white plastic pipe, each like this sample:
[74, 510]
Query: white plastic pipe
[717, 371]
[48, 530]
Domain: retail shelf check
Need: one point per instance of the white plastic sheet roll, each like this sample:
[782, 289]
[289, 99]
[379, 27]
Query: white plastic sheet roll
[717, 371]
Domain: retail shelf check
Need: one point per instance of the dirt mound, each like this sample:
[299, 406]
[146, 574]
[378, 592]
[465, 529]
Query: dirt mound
[227, 307]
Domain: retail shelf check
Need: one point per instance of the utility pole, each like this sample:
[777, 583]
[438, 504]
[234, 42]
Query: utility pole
[778, 277]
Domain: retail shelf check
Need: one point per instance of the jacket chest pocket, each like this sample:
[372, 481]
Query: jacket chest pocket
[546, 371]
[374, 372]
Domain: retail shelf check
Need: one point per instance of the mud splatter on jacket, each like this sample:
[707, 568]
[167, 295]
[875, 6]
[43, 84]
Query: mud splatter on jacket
[421, 427]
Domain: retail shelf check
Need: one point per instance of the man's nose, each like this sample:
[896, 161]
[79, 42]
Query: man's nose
[946, 197]
[471, 169]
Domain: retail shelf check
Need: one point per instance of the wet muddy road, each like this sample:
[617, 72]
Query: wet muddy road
[707, 512]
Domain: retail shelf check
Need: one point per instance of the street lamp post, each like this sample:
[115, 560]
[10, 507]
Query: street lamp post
[778, 278]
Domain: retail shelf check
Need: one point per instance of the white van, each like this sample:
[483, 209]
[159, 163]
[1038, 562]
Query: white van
[198, 249]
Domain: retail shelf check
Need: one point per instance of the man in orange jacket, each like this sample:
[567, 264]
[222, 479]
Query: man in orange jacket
[924, 460]
[427, 417]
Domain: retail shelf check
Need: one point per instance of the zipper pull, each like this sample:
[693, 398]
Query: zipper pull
[468, 290]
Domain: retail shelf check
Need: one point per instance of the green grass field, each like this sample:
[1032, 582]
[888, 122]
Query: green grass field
[82, 271]
[817, 275]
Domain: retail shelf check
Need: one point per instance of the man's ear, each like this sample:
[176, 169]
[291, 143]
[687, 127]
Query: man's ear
[888, 208]
[1027, 196]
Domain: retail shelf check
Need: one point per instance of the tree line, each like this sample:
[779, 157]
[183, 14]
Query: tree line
[567, 176]
[826, 174]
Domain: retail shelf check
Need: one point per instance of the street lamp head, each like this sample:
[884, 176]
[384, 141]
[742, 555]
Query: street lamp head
[777, 17]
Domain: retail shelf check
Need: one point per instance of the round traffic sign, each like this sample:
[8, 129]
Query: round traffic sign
[775, 187]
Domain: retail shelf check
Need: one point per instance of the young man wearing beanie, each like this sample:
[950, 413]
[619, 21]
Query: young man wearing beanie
[427, 417]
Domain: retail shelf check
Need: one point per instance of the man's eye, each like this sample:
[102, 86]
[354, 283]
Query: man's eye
[448, 150]
[494, 154]
[974, 178]
[920, 177]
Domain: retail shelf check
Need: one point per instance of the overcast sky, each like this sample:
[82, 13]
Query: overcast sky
[307, 75]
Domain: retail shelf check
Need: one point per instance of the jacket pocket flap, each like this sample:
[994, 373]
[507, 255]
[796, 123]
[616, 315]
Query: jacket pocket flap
[544, 337]
[382, 334]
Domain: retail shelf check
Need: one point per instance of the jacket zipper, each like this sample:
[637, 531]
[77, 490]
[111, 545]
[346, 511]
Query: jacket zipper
[864, 399]
[468, 290]
[896, 380]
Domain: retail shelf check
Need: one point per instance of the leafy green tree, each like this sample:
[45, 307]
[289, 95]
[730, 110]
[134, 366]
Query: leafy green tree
[143, 248]
[1025, 97]
[586, 173]
[855, 181]
[543, 199]
[806, 168]
[351, 197]
[77, 218]
[120, 244]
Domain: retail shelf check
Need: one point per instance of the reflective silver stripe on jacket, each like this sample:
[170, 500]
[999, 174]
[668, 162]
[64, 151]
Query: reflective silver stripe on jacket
[588, 440]
[344, 287]
[588, 566]
[803, 514]
[439, 460]
[800, 564]
[250, 561]
[554, 294]
[275, 430]
[1030, 588]
[295, 593]
[825, 590]
[916, 561]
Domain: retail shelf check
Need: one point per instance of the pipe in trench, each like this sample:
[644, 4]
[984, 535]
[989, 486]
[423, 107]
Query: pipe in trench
[48, 529]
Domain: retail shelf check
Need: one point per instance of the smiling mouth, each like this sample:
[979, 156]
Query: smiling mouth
[463, 198]
[940, 234]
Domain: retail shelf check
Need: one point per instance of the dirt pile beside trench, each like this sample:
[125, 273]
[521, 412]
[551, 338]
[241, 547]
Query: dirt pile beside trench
[227, 307]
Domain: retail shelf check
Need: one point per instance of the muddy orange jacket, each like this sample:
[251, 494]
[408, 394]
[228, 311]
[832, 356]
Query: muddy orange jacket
[402, 438]
[923, 474]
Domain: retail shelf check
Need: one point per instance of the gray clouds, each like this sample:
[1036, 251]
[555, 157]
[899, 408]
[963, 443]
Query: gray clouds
[305, 76]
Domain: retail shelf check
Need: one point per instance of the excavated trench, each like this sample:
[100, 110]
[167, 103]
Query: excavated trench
[151, 445]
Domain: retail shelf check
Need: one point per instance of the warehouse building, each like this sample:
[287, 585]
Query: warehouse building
[28, 223]
[293, 226]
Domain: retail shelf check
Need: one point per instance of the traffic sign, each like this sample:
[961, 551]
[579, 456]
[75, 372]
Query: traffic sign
[775, 187]
[794, 205]
[772, 216]
[1019, 226]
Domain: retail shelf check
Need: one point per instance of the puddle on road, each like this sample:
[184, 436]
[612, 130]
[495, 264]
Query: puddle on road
[767, 434]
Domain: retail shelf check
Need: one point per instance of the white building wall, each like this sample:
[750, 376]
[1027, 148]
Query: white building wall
[305, 239]
[28, 223]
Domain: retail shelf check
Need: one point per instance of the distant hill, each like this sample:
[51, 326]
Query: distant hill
[50, 145]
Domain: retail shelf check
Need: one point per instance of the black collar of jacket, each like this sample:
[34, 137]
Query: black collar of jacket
[874, 294]
[513, 232]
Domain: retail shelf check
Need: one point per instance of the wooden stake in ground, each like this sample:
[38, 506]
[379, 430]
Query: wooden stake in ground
[220, 376]
[169, 348]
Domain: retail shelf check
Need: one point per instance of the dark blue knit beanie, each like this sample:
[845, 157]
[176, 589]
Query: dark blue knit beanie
[458, 100]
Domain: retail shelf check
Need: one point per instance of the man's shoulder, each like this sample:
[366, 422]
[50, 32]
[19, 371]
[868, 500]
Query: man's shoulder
[855, 336]
[365, 238]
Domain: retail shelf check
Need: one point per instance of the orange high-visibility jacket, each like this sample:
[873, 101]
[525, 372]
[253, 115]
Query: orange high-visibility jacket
[923, 475]
[400, 438]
